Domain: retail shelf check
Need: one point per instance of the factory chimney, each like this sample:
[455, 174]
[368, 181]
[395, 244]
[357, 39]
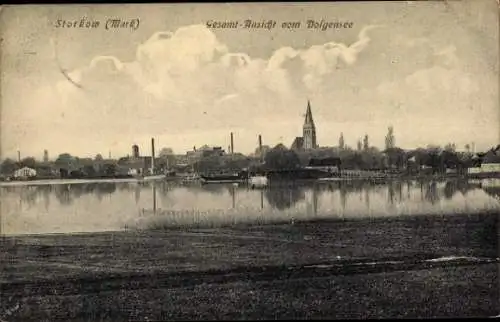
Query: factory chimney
[232, 143]
[152, 155]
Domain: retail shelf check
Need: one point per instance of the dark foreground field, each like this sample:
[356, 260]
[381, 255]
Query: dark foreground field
[425, 266]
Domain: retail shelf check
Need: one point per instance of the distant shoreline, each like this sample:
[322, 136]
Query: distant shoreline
[65, 181]
[318, 180]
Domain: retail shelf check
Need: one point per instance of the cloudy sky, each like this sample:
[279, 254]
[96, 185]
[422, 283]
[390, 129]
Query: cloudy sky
[430, 69]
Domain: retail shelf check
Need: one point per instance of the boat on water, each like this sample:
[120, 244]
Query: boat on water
[373, 179]
[305, 173]
[152, 174]
[187, 178]
[221, 179]
[224, 178]
[153, 177]
[167, 176]
[258, 181]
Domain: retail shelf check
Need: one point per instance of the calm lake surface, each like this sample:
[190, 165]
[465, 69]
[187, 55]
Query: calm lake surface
[114, 206]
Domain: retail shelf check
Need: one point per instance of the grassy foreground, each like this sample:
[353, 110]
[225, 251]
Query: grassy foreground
[380, 268]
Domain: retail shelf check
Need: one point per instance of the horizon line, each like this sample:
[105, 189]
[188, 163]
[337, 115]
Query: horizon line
[472, 150]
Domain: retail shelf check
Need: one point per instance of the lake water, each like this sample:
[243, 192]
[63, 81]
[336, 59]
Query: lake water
[112, 206]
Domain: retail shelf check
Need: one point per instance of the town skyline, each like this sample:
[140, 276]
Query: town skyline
[146, 150]
[143, 150]
[186, 85]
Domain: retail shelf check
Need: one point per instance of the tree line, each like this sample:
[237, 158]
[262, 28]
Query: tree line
[65, 164]
[364, 157]
[371, 158]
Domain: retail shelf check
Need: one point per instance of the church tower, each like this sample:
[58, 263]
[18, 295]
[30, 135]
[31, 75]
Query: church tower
[309, 130]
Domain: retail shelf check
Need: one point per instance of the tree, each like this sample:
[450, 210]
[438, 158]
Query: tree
[421, 156]
[29, 162]
[396, 157]
[280, 157]
[89, 171]
[64, 157]
[167, 158]
[341, 141]
[166, 152]
[110, 170]
[429, 157]
[390, 141]
[449, 159]
[8, 166]
[98, 157]
[65, 160]
[359, 145]
[207, 164]
[260, 152]
[353, 161]
[366, 145]
[450, 147]
[237, 161]
[467, 148]
[372, 158]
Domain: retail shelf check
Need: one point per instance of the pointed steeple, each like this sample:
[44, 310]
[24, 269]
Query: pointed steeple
[309, 118]
[309, 130]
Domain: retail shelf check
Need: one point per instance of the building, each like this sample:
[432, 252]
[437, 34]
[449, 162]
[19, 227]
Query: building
[136, 165]
[24, 173]
[203, 152]
[325, 162]
[47, 172]
[308, 139]
[489, 163]
[135, 151]
[298, 143]
[180, 160]
[309, 130]
[329, 164]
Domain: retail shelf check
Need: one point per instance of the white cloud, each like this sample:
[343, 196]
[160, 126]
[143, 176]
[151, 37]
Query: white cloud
[280, 56]
[183, 51]
[322, 60]
[436, 106]
[187, 83]
[428, 89]
[189, 70]
[114, 66]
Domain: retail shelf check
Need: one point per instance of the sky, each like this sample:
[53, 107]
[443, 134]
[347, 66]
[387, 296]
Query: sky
[429, 69]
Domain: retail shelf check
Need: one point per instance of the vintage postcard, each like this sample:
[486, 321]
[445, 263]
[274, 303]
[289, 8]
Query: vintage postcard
[249, 161]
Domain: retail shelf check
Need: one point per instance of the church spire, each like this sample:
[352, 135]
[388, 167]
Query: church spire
[309, 118]
[309, 130]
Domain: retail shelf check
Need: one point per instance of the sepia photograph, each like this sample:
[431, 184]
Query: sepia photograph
[248, 161]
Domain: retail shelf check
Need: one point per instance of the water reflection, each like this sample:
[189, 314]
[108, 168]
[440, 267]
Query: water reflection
[491, 187]
[111, 206]
[137, 194]
[431, 194]
[282, 199]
